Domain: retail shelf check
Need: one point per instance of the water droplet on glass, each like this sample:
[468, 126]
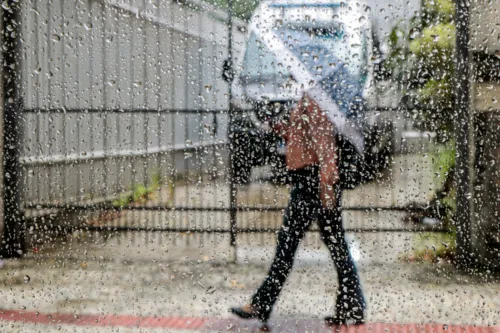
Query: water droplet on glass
[362, 19]
[5, 5]
[357, 99]
[211, 290]
[207, 128]
[88, 26]
[137, 83]
[187, 155]
[56, 38]
[27, 278]
[189, 143]
[208, 87]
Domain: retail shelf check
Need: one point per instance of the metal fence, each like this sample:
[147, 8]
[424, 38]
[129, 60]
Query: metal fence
[107, 80]
[123, 124]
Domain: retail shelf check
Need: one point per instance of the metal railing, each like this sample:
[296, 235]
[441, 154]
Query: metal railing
[122, 119]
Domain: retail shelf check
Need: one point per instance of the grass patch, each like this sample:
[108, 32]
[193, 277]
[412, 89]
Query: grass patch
[139, 193]
[435, 247]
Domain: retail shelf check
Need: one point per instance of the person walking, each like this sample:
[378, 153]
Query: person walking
[312, 159]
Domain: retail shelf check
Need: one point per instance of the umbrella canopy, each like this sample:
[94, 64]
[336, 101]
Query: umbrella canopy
[327, 58]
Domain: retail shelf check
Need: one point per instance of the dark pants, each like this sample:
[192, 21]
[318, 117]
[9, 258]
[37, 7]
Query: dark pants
[305, 207]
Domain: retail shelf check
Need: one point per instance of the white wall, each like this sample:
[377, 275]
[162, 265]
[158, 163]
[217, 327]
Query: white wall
[112, 54]
[485, 26]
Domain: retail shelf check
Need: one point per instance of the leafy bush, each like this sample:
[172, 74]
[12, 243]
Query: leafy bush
[421, 60]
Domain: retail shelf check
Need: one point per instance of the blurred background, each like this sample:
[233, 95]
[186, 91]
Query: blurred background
[139, 181]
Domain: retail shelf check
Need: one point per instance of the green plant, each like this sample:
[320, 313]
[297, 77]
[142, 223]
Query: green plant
[123, 200]
[139, 192]
[435, 247]
[156, 179]
[241, 9]
[432, 246]
[444, 159]
[421, 61]
[443, 162]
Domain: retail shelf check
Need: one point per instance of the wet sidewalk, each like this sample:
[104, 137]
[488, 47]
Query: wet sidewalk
[96, 292]
[186, 324]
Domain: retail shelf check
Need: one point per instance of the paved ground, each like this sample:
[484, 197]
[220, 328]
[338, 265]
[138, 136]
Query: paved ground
[82, 279]
[169, 282]
[83, 323]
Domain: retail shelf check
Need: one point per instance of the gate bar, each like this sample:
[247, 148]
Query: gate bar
[13, 231]
[123, 110]
[232, 185]
[264, 209]
[463, 134]
[243, 230]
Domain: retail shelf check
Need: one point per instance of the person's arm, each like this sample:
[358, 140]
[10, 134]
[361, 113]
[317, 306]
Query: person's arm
[322, 134]
[280, 128]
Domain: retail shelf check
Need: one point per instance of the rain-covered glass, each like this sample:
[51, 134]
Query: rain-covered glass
[244, 166]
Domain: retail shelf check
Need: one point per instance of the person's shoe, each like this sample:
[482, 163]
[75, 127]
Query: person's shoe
[265, 327]
[349, 309]
[245, 312]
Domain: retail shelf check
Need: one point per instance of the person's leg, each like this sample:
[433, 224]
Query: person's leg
[296, 221]
[350, 303]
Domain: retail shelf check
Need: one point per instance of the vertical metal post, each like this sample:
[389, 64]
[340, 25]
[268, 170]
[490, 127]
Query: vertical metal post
[13, 232]
[232, 187]
[463, 135]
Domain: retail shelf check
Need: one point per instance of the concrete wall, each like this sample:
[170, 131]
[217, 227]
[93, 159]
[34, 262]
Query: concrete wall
[485, 46]
[485, 226]
[484, 26]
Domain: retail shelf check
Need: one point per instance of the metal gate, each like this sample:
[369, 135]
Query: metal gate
[120, 121]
